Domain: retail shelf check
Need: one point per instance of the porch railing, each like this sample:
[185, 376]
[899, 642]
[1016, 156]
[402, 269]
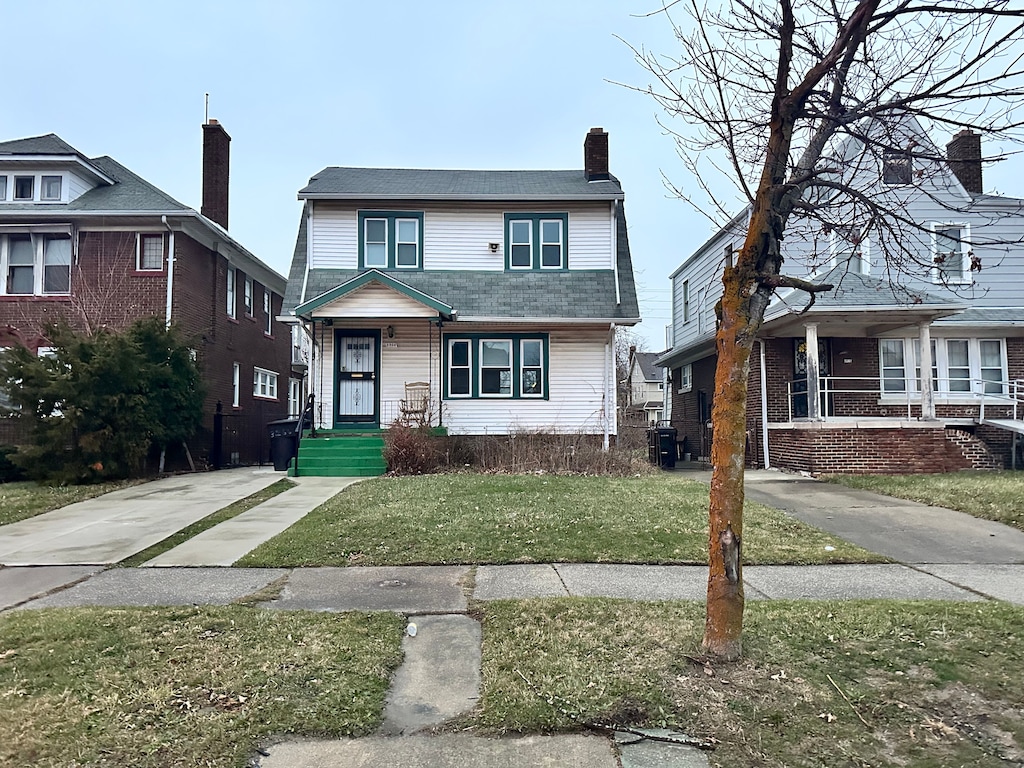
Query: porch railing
[861, 396]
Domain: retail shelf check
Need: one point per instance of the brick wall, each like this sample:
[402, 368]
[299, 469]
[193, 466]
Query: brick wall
[200, 309]
[888, 451]
[108, 291]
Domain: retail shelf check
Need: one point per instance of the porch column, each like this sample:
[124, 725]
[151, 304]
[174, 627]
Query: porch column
[813, 375]
[925, 379]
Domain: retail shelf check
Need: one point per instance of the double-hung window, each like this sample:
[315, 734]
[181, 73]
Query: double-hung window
[852, 249]
[950, 254]
[232, 287]
[3, 188]
[50, 188]
[247, 296]
[390, 240]
[506, 366]
[268, 313]
[536, 241]
[35, 264]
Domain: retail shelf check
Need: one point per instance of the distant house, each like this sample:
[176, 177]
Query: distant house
[490, 298]
[646, 386]
[87, 241]
[862, 347]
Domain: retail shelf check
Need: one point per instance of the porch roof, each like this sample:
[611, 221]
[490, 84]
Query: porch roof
[859, 305]
[374, 276]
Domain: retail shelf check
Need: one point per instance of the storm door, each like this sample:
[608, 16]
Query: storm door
[800, 376]
[355, 376]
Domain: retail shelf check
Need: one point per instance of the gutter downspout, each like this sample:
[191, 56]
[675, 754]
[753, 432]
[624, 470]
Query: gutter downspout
[615, 249]
[609, 386]
[170, 273]
[764, 409]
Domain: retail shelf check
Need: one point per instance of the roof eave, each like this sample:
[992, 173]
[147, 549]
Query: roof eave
[460, 197]
[59, 158]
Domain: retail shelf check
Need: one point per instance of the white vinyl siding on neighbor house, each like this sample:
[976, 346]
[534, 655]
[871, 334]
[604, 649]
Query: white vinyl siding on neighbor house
[458, 235]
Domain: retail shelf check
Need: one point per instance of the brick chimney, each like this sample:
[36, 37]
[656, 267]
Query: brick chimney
[964, 156]
[595, 155]
[216, 169]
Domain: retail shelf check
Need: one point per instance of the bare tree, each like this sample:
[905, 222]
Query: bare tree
[774, 95]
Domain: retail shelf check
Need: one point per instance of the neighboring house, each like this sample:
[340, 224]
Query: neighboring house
[87, 241]
[487, 299]
[863, 345]
[646, 386]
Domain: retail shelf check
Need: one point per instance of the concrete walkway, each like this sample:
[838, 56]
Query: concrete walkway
[228, 541]
[114, 526]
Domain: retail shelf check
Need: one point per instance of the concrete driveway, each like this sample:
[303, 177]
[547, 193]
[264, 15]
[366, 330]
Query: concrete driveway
[114, 526]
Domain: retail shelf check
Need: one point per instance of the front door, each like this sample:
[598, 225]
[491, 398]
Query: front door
[800, 376]
[355, 375]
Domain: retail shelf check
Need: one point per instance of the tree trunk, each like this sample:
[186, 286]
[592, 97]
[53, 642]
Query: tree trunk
[724, 624]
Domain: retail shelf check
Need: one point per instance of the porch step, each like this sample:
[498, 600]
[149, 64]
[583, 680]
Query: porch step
[340, 455]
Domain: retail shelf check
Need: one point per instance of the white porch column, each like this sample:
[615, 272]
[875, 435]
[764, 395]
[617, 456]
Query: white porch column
[813, 372]
[925, 379]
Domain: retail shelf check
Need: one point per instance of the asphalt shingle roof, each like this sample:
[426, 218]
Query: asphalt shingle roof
[50, 144]
[369, 183]
[646, 360]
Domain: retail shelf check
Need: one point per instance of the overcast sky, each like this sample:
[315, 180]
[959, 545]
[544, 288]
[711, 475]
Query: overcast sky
[500, 84]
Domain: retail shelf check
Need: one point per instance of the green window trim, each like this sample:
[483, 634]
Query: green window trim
[469, 375]
[391, 240]
[534, 241]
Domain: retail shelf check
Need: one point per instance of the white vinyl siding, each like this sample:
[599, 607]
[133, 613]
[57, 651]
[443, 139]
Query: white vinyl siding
[375, 300]
[457, 236]
[576, 381]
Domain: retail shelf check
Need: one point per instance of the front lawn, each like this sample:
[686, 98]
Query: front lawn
[865, 683]
[997, 496]
[19, 501]
[150, 688]
[434, 519]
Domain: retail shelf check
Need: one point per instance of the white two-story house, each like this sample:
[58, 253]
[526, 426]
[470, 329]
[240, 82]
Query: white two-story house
[484, 302]
[942, 292]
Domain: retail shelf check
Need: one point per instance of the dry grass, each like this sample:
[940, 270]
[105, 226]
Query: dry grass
[150, 688]
[912, 684]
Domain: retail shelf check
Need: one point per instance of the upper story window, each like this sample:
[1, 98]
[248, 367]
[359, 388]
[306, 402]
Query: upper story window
[536, 241]
[50, 187]
[35, 264]
[24, 187]
[32, 188]
[849, 247]
[897, 167]
[512, 366]
[150, 252]
[951, 253]
[685, 377]
[390, 240]
[232, 286]
[267, 305]
[247, 296]
[686, 301]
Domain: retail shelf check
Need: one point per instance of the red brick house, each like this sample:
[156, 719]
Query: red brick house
[86, 240]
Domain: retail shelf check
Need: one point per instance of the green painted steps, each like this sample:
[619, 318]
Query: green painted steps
[340, 454]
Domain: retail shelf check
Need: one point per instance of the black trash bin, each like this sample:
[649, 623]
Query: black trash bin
[284, 442]
[667, 447]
